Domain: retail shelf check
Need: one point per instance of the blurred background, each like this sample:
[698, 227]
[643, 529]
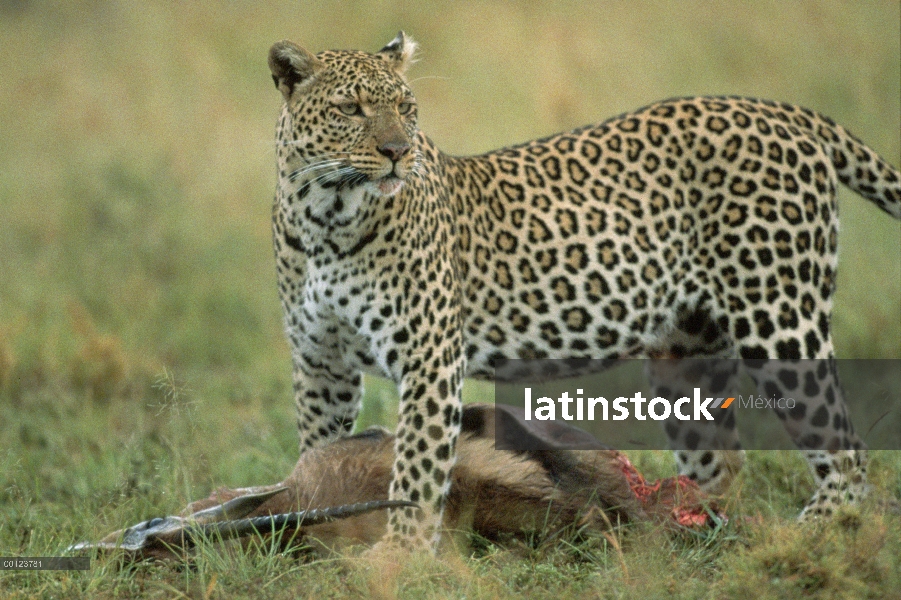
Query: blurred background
[138, 311]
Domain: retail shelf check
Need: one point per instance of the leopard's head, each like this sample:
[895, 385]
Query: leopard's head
[349, 117]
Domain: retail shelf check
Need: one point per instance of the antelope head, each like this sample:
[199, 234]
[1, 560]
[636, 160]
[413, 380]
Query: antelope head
[170, 537]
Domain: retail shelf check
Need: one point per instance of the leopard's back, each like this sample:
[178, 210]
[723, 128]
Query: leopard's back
[600, 242]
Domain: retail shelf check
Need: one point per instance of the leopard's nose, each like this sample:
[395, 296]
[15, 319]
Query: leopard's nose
[394, 150]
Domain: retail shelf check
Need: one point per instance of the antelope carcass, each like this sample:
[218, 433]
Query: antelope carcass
[337, 494]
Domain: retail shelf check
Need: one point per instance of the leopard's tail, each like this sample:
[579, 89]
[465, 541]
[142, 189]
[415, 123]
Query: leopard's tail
[859, 167]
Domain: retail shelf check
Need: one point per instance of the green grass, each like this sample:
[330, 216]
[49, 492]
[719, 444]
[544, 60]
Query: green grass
[142, 360]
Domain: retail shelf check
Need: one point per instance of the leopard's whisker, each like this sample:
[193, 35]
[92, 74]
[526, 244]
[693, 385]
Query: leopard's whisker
[327, 164]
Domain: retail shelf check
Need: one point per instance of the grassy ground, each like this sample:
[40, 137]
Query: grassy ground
[141, 353]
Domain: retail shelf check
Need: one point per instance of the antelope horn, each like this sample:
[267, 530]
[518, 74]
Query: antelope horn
[236, 507]
[271, 523]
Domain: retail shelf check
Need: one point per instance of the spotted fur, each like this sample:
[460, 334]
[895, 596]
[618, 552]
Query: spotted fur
[695, 226]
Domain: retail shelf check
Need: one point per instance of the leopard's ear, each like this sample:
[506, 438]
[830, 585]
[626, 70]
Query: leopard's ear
[291, 65]
[399, 52]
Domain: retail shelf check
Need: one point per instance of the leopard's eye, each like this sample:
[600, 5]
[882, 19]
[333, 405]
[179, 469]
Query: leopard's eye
[351, 109]
[405, 108]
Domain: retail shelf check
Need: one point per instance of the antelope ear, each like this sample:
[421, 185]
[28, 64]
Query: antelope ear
[291, 65]
[399, 52]
[514, 432]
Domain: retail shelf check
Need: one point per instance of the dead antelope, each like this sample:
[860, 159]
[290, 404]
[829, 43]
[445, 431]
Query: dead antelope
[337, 494]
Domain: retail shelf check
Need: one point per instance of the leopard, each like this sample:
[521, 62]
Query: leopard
[698, 226]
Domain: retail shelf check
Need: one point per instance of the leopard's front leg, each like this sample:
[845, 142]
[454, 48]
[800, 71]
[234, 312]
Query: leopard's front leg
[326, 395]
[431, 368]
[424, 456]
